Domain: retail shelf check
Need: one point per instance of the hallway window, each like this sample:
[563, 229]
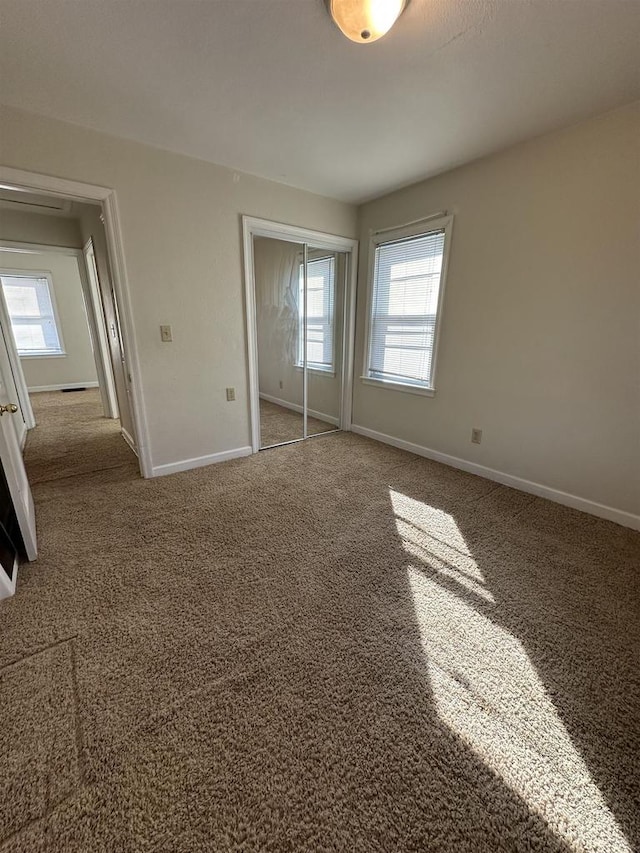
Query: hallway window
[321, 290]
[32, 315]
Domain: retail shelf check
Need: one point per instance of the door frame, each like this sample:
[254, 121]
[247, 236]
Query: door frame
[95, 310]
[254, 227]
[106, 198]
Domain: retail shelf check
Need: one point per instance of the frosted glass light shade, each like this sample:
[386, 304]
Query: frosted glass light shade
[364, 21]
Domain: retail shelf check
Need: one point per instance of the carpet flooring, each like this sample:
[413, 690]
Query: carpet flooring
[278, 425]
[73, 437]
[332, 646]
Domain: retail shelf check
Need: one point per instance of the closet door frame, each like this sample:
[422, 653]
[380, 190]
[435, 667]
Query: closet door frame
[253, 227]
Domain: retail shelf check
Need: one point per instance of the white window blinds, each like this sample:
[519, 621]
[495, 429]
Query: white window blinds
[404, 309]
[321, 292]
[32, 316]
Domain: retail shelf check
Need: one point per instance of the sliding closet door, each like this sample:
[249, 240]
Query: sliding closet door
[324, 322]
[278, 272]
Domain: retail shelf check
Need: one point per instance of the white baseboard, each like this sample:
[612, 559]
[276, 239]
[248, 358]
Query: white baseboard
[129, 439]
[296, 407]
[200, 461]
[35, 388]
[627, 519]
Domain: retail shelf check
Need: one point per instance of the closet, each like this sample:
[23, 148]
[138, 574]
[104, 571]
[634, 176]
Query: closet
[301, 327]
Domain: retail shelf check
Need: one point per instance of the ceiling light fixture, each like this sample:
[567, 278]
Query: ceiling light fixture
[364, 21]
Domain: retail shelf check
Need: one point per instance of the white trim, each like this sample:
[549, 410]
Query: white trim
[253, 227]
[319, 371]
[435, 223]
[349, 336]
[8, 587]
[619, 516]
[87, 192]
[43, 355]
[296, 407]
[200, 461]
[438, 215]
[129, 439]
[97, 326]
[34, 389]
[399, 386]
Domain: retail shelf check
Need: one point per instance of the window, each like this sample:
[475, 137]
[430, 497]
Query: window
[405, 305]
[30, 306]
[320, 311]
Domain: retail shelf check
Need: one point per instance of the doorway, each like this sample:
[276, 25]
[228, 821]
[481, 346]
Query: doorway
[300, 288]
[53, 320]
[112, 333]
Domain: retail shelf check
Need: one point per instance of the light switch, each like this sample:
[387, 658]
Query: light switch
[165, 334]
[231, 394]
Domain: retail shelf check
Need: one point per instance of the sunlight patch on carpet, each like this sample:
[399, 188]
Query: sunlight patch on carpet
[487, 690]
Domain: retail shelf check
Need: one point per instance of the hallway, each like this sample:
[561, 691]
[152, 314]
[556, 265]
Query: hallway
[72, 437]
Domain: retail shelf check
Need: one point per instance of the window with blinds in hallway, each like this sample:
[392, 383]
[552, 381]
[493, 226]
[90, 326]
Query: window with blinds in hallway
[31, 311]
[405, 305]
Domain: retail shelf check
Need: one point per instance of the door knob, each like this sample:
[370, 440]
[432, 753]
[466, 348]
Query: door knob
[10, 408]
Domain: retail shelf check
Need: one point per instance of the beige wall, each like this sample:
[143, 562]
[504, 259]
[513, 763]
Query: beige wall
[78, 365]
[181, 227]
[47, 230]
[540, 336]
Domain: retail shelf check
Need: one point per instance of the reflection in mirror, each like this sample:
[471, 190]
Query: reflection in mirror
[277, 265]
[326, 272]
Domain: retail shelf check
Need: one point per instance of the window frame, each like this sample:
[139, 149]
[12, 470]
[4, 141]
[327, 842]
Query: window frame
[314, 366]
[417, 229]
[35, 274]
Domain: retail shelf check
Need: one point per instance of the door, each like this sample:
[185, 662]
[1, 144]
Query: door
[15, 473]
[279, 276]
[299, 297]
[11, 368]
[324, 335]
[95, 315]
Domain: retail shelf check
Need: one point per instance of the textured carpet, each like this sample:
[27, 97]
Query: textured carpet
[333, 646]
[278, 424]
[72, 436]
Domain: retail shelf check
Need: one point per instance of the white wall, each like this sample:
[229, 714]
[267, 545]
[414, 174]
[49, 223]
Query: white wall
[540, 336]
[181, 224]
[77, 367]
[40, 228]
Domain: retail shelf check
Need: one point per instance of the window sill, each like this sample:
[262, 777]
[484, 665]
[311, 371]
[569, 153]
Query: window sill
[399, 386]
[43, 355]
[319, 370]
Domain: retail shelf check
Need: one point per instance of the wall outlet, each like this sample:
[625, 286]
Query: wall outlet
[281, 384]
[165, 334]
[231, 394]
[476, 436]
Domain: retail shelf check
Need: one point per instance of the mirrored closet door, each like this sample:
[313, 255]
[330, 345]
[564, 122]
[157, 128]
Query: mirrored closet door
[299, 293]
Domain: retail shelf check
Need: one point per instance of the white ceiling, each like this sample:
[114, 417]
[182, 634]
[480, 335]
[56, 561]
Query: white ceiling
[271, 87]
